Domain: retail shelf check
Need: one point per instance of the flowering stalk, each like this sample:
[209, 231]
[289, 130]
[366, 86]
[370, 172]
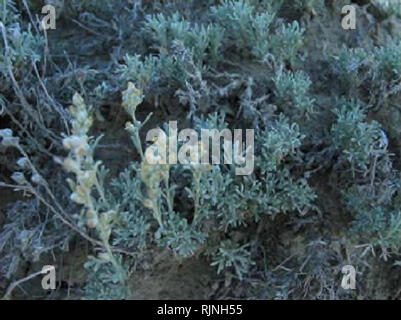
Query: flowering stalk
[132, 98]
[80, 162]
[153, 171]
[152, 175]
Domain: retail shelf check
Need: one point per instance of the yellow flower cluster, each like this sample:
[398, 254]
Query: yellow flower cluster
[132, 98]
[80, 159]
[82, 119]
[152, 175]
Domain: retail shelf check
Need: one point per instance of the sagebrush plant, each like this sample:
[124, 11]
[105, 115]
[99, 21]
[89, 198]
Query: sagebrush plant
[292, 90]
[359, 140]
[351, 65]
[389, 61]
[324, 105]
